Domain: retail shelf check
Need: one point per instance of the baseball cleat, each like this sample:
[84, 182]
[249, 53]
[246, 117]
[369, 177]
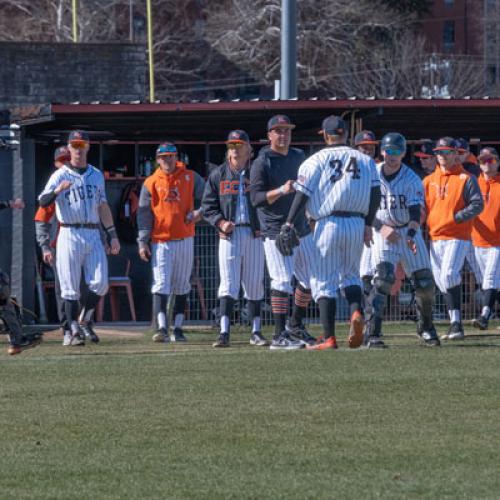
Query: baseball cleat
[178, 335]
[480, 322]
[329, 343]
[375, 342]
[26, 343]
[455, 332]
[258, 339]
[356, 336]
[161, 336]
[222, 340]
[77, 339]
[67, 338]
[430, 338]
[300, 333]
[89, 333]
[285, 343]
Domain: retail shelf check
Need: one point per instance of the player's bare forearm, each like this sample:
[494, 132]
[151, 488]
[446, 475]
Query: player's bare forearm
[105, 215]
[275, 194]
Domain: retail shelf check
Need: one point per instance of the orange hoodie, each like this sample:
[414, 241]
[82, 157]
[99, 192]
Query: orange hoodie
[444, 191]
[172, 198]
[486, 226]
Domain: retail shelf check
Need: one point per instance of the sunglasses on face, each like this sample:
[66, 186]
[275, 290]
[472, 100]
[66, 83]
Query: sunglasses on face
[235, 145]
[488, 161]
[78, 144]
[393, 152]
[446, 152]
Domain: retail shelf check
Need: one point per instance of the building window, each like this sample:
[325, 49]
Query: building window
[449, 34]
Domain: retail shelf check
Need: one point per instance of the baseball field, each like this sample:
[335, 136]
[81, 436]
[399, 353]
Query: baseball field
[133, 419]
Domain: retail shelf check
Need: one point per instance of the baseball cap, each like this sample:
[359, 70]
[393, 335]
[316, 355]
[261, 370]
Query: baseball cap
[62, 154]
[166, 149]
[487, 152]
[333, 125]
[462, 145]
[425, 150]
[445, 143]
[365, 137]
[279, 121]
[237, 136]
[78, 136]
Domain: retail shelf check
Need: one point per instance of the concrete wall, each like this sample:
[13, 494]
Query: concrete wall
[37, 73]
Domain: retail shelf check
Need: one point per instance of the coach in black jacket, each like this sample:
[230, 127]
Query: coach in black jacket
[226, 205]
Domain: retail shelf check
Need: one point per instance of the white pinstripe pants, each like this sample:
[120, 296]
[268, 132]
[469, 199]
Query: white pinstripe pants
[447, 261]
[384, 251]
[79, 248]
[281, 269]
[339, 243]
[172, 263]
[488, 264]
[241, 264]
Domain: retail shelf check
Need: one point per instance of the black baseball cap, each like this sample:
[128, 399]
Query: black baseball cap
[487, 152]
[166, 149]
[365, 137]
[462, 145]
[445, 143]
[333, 125]
[281, 121]
[78, 136]
[237, 136]
[62, 153]
[426, 149]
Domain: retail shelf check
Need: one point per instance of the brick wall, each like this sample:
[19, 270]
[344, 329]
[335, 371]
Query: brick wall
[36, 73]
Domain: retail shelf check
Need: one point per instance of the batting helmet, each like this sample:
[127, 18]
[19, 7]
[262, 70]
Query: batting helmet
[393, 140]
[4, 286]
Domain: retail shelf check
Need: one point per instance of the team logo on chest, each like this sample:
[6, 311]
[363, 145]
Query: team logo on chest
[81, 193]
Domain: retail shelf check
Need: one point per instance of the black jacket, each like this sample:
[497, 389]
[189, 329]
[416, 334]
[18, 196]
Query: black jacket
[269, 171]
[221, 196]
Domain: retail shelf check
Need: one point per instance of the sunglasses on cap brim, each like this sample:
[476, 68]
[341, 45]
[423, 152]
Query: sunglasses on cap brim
[78, 144]
[445, 151]
[424, 156]
[235, 144]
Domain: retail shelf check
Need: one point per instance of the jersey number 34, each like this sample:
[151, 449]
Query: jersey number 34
[339, 169]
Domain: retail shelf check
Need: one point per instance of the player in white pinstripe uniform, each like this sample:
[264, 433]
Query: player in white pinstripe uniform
[398, 238]
[226, 205]
[340, 189]
[81, 206]
[272, 176]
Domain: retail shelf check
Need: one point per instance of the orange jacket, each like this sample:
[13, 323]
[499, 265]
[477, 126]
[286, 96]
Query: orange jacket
[486, 226]
[444, 198]
[172, 198]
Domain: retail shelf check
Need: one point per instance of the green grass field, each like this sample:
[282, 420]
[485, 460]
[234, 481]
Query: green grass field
[133, 419]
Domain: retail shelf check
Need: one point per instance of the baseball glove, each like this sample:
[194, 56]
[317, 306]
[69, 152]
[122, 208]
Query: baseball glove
[287, 240]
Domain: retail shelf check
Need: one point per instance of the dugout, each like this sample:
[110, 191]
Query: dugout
[124, 136]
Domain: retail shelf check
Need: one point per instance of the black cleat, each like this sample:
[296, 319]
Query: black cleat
[480, 322]
[258, 339]
[300, 332]
[178, 335]
[222, 340]
[89, 333]
[375, 342]
[430, 337]
[455, 332]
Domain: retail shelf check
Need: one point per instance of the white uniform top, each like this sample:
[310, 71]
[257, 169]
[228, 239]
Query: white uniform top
[79, 204]
[405, 190]
[337, 178]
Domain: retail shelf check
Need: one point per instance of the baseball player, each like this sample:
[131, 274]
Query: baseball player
[17, 341]
[452, 200]
[272, 177]
[427, 159]
[366, 143]
[486, 233]
[398, 238]
[79, 194]
[466, 158]
[46, 229]
[340, 188]
[226, 205]
[166, 220]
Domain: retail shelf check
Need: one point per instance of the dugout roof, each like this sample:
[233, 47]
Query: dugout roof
[210, 121]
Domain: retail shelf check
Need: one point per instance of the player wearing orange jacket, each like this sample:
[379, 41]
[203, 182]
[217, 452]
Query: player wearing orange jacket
[452, 199]
[165, 219]
[486, 234]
